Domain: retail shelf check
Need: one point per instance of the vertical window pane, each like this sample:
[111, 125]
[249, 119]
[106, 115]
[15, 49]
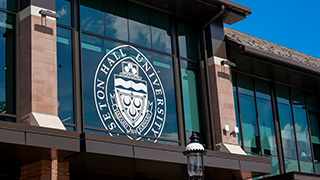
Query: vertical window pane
[306, 167]
[8, 4]
[274, 166]
[287, 133]
[92, 52]
[64, 62]
[268, 139]
[92, 16]
[64, 11]
[139, 29]
[315, 137]
[7, 67]
[188, 41]
[245, 85]
[161, 34]
[302, 132]
[238, 118]
[291, 165]
[116, 21]
[297, 98]
[262, 89]
[249, 124]
[282, 94]
[189, 78]
[164, 67]
[312, 102]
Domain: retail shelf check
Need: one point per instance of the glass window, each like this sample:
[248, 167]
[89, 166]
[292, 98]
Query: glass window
[92, 18]
[188, 41]
[64, 10]
[282, 94]
[291, 165]
[297, 98]
[189, 78]
[93, 49]
[238, 118]
[302, 132]
[306, 167]
[249, 124]
[8, 4]
[161, 34]
[116, 22]
[245, 84]
[139, 29]
[7, 65]
[274, 166]
[64, 62]
[313, 113]
[115, 93]
[287, 133]
[268, 138]
[262, 89]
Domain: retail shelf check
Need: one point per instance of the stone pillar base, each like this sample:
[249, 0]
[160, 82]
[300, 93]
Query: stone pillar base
[45, 170]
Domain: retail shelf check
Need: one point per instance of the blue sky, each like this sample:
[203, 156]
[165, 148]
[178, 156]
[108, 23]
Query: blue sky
[290, 23]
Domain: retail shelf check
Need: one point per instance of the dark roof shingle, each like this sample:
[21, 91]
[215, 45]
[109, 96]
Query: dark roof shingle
[269, 47]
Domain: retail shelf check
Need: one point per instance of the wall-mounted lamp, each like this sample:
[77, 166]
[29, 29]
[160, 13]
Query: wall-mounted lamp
[49, 13]
[235, 130]
[229, 63]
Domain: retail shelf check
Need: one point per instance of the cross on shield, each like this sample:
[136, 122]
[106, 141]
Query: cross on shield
[131, 95]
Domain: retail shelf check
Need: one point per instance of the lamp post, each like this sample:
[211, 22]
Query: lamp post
[194, 152]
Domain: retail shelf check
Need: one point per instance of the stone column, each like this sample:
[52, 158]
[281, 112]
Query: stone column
[38, 103]
[221, 92]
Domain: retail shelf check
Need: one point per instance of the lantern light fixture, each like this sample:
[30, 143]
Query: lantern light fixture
[194, 152]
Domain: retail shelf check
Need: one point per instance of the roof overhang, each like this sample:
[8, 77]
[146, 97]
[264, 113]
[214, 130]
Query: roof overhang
[200, 10]
[236, 50]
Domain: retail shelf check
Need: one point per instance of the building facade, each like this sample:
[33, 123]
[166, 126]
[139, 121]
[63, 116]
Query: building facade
[113, 89]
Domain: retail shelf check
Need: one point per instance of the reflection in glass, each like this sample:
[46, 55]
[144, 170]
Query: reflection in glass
[237, 117]
[187, 37]
[282, 94]
[8, 4]
[274, 166]
[64, 62]
[92, 16]
[262, 89]
[160, 28]
[7, 68]
[116, 20]
[93, 49]
[139, 29]
[249, 124]
[189, 77]
[287, 133]
[268, 138]
[164, 67]
[116, 27]
[291, 165]
[245, 84]
[306, 167]
[64, 11]
[297, 98]
[302, 132]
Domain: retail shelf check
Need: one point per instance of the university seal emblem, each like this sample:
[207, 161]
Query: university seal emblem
[129, 95]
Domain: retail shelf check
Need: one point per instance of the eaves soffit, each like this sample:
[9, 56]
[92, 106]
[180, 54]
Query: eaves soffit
[200, 10]
[249, 41]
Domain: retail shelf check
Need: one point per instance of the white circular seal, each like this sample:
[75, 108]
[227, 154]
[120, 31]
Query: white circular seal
[129, 95]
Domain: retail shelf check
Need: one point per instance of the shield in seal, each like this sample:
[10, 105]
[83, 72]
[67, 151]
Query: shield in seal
[131, 94]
